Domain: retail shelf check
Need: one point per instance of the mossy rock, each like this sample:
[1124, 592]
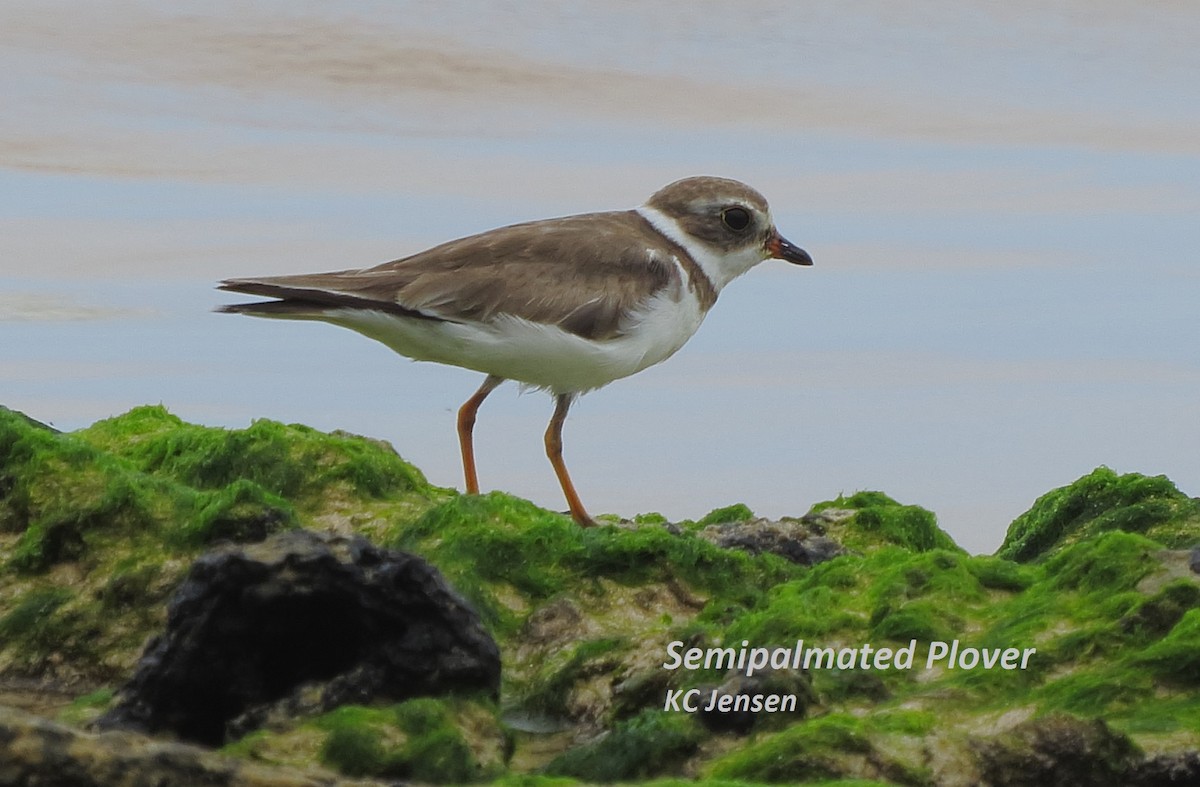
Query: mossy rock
[97, 527]
[493, 544]
[1058, 749]
[878, 520]
[548, 690]
[889, 593]
[32, 618]
[1176, 657]
[65, 495]
[833, 747]
[648, 745]
[1104, 501]
[455, 740]
[1158, 614]
[290, 461]
[104, 521]
[1109, 563]
[738, 512]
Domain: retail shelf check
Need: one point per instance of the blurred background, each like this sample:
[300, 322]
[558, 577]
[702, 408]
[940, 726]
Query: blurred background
[1001, 200]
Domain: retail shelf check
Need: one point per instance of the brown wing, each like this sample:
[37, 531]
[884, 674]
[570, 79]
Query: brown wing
[584, 273]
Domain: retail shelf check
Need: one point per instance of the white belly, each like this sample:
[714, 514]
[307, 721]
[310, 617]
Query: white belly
[535, 354]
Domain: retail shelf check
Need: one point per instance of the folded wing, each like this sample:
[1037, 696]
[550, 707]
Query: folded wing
[587, 274]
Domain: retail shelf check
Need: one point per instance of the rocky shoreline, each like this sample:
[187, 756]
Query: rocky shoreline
[312, 611]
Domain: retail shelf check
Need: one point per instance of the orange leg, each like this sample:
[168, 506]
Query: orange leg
[562, 403]
[466, 425]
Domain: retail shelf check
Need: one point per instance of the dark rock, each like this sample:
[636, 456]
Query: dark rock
[306, 622]
[1167, 770]
[1058, 751]
[770, 682]
[792, 539]
[1194, 560]
[34, 751]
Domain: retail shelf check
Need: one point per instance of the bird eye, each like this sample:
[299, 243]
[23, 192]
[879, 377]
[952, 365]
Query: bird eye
[736, 219]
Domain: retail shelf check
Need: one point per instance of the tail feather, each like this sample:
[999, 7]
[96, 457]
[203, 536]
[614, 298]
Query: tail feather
[299, 302]
[295, 309]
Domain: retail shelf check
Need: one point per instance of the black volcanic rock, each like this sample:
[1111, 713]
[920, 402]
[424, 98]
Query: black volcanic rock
[302, 619]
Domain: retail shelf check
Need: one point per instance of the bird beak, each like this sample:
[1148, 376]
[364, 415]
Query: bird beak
[780, 248]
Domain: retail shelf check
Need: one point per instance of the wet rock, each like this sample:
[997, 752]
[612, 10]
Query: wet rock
[1168, 770]
[302, 622]
[1058, 751]
[740, 717]
[34, 751]
[793, 539]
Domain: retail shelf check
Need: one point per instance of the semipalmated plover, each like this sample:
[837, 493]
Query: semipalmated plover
[566, 305]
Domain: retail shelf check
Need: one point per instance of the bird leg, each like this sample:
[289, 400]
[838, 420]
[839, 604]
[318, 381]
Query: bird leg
[562, 403]
[466, 424]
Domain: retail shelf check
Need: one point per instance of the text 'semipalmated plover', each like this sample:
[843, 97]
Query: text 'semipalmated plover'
[567, 305]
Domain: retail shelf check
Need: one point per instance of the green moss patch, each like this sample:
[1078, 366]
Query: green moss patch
[879, 520]
[1109, 563]
[32, 617]
[493, 543]
[109, 517]
[291, 461]
[825, 749]
[1104, 501]
[650, 744]
[65, 493]
[1176, 657]
[738, 512]
[97, 527]
[425, 740]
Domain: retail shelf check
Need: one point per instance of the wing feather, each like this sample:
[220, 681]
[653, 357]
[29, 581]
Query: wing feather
[589, 274]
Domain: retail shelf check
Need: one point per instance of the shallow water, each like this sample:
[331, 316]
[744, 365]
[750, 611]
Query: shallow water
[1001, 201]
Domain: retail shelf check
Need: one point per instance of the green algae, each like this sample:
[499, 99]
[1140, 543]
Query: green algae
[819, 749]
[650, 744]
[1176, 657]
[738, 512]
[496, 540]
[242, 511]
[50, 624]
[64, 493]
[355, 744]
[890, 593]
[879, 520]
[1155, 616]
[97, 526]
[58, 490]
[1169, 715]
[535, 780]
[32, 617]
[117, 510]
[421, 739]
[87, 708]
[1094, 693]
[291, 461]
[1104, 501]
[999, 574]
[1109, 563]
[548, 690]
[740, 783]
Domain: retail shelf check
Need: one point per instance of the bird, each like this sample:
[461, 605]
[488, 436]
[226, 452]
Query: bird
[565, 305]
